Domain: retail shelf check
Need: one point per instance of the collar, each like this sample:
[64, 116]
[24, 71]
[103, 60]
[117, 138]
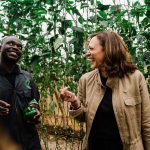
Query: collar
[3, 71]
[111, 82]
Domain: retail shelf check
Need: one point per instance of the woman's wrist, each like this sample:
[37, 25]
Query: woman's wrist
[76, 104]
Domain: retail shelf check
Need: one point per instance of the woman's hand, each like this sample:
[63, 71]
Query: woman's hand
[69, 96]
[4, 108]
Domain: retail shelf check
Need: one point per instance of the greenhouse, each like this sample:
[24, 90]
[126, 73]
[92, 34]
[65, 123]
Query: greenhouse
[55, 37]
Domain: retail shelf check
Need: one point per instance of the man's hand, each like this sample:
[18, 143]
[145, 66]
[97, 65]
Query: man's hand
[36, 118]
[4, 108]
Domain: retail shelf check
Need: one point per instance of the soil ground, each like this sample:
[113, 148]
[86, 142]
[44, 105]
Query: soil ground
[54, 143]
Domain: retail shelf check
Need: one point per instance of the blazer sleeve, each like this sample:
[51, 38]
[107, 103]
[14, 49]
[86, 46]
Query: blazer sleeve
[145, 113]
[79, 114]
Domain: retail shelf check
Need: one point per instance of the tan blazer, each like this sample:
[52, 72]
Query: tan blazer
[131, 104]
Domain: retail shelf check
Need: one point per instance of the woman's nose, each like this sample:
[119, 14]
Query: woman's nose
[88, 53]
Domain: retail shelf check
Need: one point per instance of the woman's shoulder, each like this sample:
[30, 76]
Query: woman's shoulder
[90, 74]
[136, 74]
[135, 77]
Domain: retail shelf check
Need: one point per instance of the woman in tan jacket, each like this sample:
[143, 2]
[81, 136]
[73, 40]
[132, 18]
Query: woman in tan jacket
[113, 99]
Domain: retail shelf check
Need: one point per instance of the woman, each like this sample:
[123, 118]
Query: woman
[112, 99]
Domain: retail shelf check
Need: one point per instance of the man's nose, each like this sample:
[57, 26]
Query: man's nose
[15, 46]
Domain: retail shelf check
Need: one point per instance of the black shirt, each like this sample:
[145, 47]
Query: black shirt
[12, 76]
[20, 131]
[104, 132]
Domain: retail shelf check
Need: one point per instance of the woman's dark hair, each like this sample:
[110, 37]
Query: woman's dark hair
[117, 61]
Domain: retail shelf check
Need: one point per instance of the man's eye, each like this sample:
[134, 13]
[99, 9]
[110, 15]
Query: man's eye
[10, 44]
[20, 47]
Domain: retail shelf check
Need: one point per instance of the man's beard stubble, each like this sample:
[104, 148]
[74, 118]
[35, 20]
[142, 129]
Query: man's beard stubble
[6, 59]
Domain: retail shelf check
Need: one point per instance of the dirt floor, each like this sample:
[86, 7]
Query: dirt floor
[54, 143]
[58, 138]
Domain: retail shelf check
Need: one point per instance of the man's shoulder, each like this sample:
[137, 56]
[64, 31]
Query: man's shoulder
[26, 73]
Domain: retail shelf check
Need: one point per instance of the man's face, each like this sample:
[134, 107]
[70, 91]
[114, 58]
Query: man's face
[11, 49]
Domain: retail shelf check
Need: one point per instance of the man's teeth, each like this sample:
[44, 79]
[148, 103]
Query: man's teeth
[13, 53]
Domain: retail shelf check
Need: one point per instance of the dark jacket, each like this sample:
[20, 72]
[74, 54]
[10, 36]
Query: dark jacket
[18, 96]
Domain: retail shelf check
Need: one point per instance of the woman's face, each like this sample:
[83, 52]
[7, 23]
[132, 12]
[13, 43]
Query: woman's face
[95, 53]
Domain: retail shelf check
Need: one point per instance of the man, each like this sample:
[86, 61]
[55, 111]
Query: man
[17, 90]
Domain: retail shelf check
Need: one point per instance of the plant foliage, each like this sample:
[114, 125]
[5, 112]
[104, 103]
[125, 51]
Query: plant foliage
[54, 31]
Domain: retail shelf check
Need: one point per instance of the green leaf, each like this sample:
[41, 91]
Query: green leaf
[145, 21]
[102, 7]
[52, 107]
[35, 59]
[81, 20]
[58, 42]
[133, 51]
[40, 11]
[73, 40]
[46, 55]
[69, 22]
[40, 20]
[119, 16]
[103, 15]
[83, 5]
[78, 29]
[76, 11]
[70, 2]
